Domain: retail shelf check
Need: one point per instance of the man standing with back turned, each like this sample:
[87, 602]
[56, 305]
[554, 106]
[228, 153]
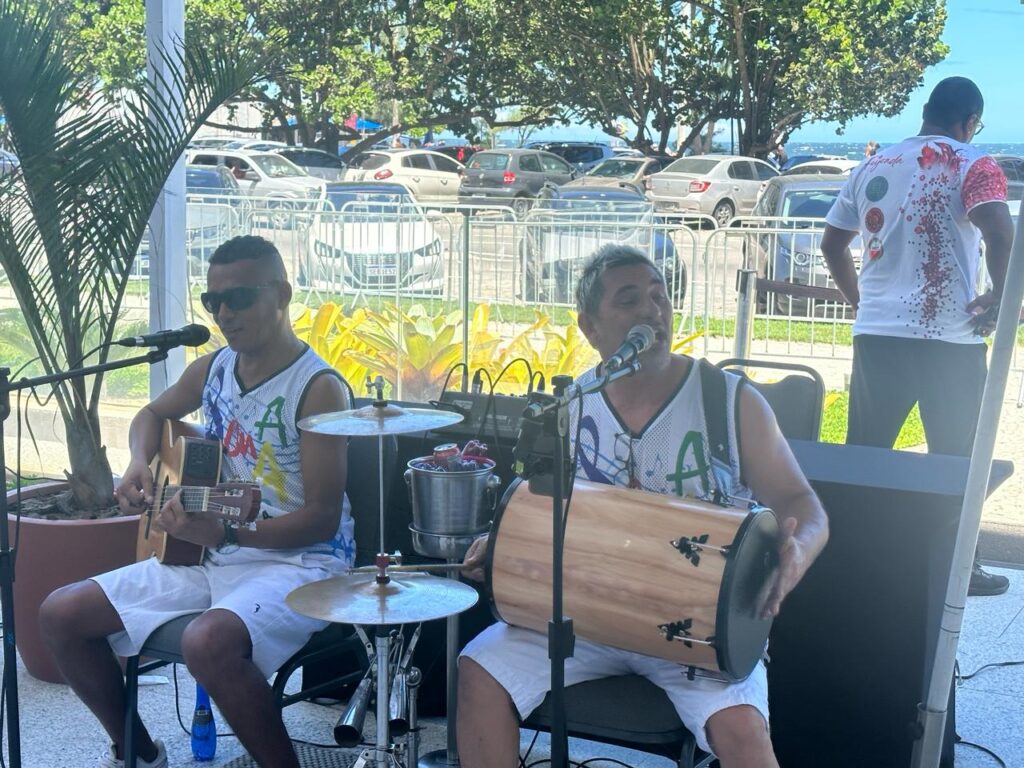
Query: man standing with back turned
[921, 207]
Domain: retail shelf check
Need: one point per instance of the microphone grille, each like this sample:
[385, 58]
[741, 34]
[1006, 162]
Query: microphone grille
[197, 334]
[645, 332]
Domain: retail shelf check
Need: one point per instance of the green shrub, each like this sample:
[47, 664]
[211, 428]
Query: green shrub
[127, 383]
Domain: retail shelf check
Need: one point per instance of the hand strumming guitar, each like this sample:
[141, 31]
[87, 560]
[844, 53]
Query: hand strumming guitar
[135, 491]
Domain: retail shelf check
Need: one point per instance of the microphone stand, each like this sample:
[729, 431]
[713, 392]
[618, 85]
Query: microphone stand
[10, 678]
[541, 456]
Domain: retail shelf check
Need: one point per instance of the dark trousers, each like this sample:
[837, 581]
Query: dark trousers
[890, 374]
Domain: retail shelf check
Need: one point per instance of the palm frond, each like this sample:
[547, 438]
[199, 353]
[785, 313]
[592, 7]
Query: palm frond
[93, 165]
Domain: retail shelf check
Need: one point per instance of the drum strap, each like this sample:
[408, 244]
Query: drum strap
[713, 389]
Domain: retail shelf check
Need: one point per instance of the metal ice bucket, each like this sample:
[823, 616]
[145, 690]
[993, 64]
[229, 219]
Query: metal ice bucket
[449, 509]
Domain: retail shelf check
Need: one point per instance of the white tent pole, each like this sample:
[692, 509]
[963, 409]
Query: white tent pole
[168, 272]
[932, 714]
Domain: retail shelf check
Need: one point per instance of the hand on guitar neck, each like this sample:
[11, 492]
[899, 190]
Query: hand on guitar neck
[194, 514]
[182, 520]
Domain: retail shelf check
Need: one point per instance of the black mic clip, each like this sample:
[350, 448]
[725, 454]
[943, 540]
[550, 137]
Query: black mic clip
[534, 450]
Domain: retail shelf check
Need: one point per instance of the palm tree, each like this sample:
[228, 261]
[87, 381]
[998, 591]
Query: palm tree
[71, 220]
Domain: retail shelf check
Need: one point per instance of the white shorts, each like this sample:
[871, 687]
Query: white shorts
[147, 595]
[518, 659]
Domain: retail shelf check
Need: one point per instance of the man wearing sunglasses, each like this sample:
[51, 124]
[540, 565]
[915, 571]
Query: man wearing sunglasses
[922, 208]
[252, 393]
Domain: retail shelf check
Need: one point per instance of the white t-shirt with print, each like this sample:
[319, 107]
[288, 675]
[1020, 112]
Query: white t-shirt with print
[921, 252]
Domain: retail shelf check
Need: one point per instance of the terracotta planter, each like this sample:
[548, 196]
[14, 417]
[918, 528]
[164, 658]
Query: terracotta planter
[55, 553]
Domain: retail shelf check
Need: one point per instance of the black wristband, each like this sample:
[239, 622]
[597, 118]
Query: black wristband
[230, 541]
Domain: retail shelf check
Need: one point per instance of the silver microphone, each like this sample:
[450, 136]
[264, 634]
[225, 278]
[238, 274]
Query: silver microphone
[639, 339]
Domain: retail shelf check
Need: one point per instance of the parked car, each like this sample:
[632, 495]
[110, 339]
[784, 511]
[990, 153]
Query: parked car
[1013, 167]
[215, 211]
[211, 142]
[513, 176]
[460, 153]
[254, 145]
[373, 236]
[800, 159]
[792, 252]
[721, 186]
[280, 186]
[8, 162]
[567, 224]
[823, 167]
[430, 176]
[315, 162]
[623, 170]
[582, 155]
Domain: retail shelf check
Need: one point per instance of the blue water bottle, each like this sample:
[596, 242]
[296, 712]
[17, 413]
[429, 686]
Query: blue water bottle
[204, 730]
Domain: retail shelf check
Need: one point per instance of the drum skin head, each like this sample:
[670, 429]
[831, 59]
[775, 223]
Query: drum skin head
[748, 577]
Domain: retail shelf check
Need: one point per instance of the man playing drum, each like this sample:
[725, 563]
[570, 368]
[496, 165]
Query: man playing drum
[655, 421]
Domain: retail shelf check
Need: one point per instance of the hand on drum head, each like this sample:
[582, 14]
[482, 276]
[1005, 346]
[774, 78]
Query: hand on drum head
[473, 562]
[793, 563]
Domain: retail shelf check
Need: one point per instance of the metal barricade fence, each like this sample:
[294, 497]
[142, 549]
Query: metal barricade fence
[445, 258]
[800, 312]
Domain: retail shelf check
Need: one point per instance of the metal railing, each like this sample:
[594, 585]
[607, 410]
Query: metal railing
[455, 257]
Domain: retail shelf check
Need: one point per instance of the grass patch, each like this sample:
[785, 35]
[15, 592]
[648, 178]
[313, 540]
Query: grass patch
[833, 423]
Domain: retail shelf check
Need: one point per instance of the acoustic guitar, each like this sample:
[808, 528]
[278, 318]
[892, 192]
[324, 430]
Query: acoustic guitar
[191, 464]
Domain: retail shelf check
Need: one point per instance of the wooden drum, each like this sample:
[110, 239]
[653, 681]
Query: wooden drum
[670, 577]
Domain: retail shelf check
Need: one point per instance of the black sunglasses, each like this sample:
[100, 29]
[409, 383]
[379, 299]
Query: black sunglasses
[237, 298]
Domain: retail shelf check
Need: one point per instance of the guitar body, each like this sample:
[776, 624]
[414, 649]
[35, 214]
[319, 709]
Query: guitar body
[184, 459]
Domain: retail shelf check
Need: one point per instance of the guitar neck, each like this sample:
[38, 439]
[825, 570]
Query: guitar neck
[196, 498]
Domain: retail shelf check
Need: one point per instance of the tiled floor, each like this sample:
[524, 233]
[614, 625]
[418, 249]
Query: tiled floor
[57, 731]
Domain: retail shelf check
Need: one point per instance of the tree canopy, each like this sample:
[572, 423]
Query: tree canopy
[408, 64]
[652, 64]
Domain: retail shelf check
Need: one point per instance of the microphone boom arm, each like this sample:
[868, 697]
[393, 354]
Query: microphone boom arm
[574, 390]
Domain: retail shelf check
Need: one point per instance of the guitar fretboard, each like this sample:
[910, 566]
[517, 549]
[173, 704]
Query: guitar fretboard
[197, 499]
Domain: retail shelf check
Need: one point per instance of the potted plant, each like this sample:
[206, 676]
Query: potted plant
[72, 217]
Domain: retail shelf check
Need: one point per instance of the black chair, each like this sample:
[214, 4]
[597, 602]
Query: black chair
[327, 646]
[628, 711]
[797, 399]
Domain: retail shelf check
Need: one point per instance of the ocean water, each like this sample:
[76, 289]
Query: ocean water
[855, 149]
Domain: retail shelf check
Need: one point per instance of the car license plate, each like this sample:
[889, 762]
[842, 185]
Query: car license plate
[382, 271]
[479, 194]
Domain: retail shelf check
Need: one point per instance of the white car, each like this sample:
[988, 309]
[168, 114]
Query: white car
[430, 176]
[721, 186]
[281, 185]
[830, 167]
[373, 236]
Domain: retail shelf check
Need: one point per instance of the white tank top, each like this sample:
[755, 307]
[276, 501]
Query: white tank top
[260, 440]
[671, 455]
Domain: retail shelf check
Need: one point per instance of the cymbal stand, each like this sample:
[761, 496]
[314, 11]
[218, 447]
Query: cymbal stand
[384, 753]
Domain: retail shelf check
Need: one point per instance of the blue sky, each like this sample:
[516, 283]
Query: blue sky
[986, 41]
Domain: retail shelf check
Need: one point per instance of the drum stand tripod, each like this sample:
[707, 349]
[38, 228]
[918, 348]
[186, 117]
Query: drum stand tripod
[449, 756]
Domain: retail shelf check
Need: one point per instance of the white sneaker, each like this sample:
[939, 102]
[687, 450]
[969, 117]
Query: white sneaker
[107, 759]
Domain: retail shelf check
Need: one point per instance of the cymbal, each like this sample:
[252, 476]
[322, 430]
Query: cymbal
[357, 598]
[379, 420]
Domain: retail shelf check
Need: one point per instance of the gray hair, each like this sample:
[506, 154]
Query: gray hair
[590, 288]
